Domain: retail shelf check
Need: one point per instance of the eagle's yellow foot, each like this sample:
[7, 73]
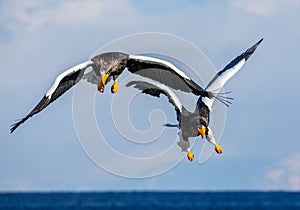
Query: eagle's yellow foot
[104, 79]
[100, 87]
[114, 87]
[190, 156]
[218, 149]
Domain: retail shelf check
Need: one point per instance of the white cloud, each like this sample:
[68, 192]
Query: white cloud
[264, 7]
[286, 174]
[292, 163]
[32, 25]
[294, 181]
[275, 175]
[35, 14]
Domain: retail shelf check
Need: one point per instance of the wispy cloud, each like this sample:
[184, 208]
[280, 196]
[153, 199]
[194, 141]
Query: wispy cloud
[264, 7]
[35, 14]
[286, 174]
[275, 175]
[31, 24]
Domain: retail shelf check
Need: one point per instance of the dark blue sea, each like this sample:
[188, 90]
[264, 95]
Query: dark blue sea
[152, 200]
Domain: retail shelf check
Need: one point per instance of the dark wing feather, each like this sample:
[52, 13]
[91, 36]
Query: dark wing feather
[65, 84]
[155, 91]
[41, 105]
[161, 72]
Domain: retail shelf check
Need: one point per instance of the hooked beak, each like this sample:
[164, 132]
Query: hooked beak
[202, 131]
[104, 79]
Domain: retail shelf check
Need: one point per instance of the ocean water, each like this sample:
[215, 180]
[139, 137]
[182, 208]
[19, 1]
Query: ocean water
[152, 200]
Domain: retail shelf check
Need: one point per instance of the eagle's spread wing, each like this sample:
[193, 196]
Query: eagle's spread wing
[62, 83]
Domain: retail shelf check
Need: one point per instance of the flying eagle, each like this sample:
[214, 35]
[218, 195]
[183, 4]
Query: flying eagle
[110, 65]
[196, 123]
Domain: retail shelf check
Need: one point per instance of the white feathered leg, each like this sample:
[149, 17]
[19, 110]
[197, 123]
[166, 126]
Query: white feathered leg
[185, 146]
[211, 139]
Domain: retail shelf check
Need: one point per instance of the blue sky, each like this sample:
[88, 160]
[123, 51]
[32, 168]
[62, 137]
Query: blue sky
[40, 39]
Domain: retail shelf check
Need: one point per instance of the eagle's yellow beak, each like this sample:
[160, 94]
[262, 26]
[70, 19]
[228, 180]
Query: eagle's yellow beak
[104, 79]
[202, 131]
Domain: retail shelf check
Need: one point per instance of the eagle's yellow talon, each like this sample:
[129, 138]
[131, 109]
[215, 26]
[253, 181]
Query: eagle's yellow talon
[104, 79]
[218, 149]
[114, 87]
[100, 87]
[190, 156]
